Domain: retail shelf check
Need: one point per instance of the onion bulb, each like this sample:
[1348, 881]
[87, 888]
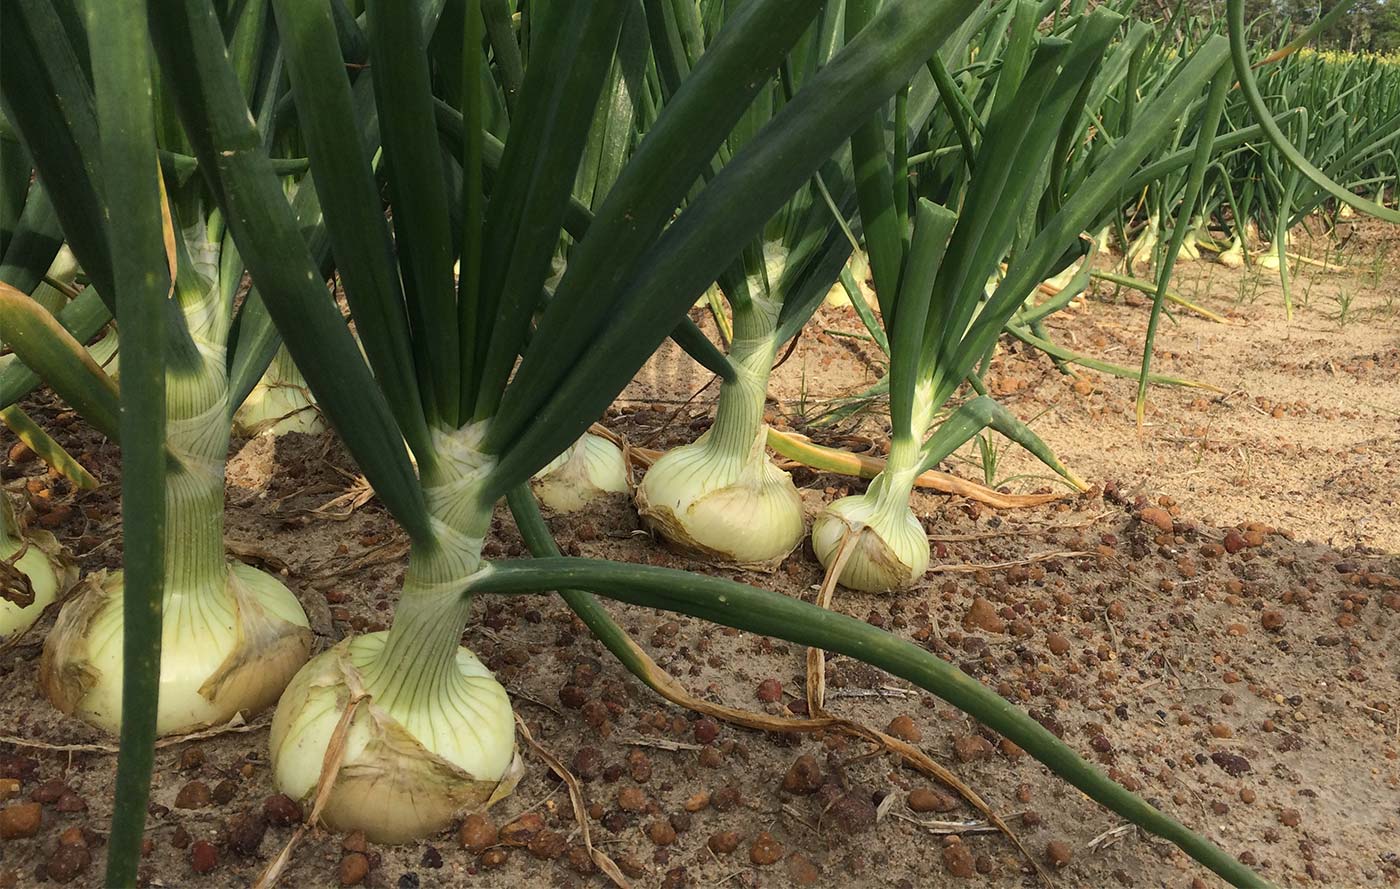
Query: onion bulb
[705, 498]
[890, 552]
[223, 652]
[279, 403]
[34, 571]
[592, 467]
[406, 771]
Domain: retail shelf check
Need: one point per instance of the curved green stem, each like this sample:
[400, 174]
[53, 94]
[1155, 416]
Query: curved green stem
[760, 611]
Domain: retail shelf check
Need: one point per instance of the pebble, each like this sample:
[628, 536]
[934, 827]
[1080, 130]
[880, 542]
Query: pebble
[983, 616]
[698, 801]
[67, 863]
[432, 858]
[904, 728]
[1157, 517]
[245, 833]
[804, 776]
[922, 799]
[801, 870]
[20, 820]
[1058, 643]
[1233, 764]
[547, 845]
[1290, 817]
[281, 809]
[1221, 730]
[588, 763]
[969, 748]
[204, 857]
[1057, 853]
[631, 799]
[765, 849]
[1272, 620]
[519, 831]
[48, 792]
[194, 795]
[958, 861]
[477, 833]
[706, 730]
[661, 832]
[770, 691]
[724, 842]
[355, 841]
[353, 869]
[494, 857]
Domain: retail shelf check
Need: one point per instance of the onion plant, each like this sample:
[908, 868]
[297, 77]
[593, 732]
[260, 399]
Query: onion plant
[232, 635]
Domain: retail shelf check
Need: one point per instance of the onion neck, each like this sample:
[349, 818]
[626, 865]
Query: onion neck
[891, 489]
[739, 413]
[419, 659]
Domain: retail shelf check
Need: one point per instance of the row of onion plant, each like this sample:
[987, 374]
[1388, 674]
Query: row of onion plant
[483, 386]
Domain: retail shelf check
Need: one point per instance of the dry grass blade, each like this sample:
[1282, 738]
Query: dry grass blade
[236, 725]
[816, 658]
[600, 858]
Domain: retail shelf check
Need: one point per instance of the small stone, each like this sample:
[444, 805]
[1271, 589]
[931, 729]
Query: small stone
[493, 857]
[245, 833]
[1058, 644]
[67, 863]
[547, 845]
[224, 792]
[765, 849]
[70, 803]
[588, 763]
[922, 799]
[661, 832]
[983, 616]
[1290, 817]
[194, 795]
[804, 776]
[770, 691]
[1233, 764]
[1221, 730]
[1157, 517]
[579, 861]
[409, 880]
[20, 820]
[801, 870]
[48, 792]
[521, 830]
[1272, 620]
[191, 758]
[697, 801]
[1247, 795]
[724, 842]
[353, 869]
[904, 728]
[355, 841]
[957, 860]
[73, 836]
[432, 858]
[281, 809]
[477, 833]
[706, 730]
[204, 857]
[631, 799]
[726, 798]
[969, 748]
[1234, 541]
[1057, 853]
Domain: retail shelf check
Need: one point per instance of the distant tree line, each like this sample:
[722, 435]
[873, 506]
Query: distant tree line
[1369, 26]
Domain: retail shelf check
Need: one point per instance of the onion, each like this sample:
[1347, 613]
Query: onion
[592, 467]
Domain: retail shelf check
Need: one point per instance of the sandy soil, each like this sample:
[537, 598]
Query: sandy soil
[1215, 623]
